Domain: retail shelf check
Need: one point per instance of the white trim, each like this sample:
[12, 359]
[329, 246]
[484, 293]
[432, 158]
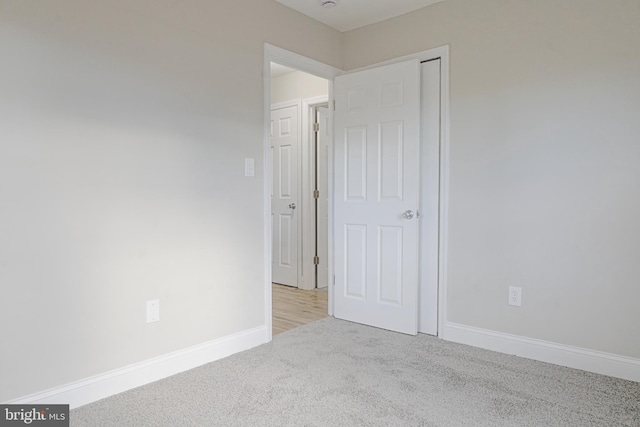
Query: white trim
[293, 60]
[429, 206]
[307, 267]
[266, 193]
[559, 354]
[98, 387]
[445, 126]
[330, 201]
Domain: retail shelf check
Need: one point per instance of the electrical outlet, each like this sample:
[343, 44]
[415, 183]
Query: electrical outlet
[153, 311]
[515, 296]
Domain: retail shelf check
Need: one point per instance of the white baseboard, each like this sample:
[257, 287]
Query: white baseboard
[113, 382]
[573, 357]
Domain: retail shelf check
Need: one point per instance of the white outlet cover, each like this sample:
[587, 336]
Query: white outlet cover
[515, 296]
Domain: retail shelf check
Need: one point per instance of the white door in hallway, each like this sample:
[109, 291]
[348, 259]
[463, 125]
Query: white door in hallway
[376, 196]
[284, 195]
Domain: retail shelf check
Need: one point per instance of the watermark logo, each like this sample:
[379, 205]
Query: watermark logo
[34, 415]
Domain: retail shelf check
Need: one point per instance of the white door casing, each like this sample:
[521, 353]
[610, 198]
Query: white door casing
[429, 201]
[322, 207]
[376, 196]
[307, 250]
[284, 195]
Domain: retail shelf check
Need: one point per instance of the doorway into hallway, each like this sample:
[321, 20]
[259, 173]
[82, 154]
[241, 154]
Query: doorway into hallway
[296, 307]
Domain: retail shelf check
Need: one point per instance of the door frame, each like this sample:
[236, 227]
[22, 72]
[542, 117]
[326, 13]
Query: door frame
[275, 54]
[284, 57]
[439, 279]
[308, 282]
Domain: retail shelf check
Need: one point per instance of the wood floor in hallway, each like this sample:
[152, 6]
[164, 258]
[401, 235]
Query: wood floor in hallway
[293, 307]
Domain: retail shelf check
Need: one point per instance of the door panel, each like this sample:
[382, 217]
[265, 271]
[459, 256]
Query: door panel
[284, 195]
[390, 152]
[376, 181]
[356, 164]
[390, 264]
[356, 261]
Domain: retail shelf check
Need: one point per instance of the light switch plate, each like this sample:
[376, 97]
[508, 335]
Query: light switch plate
[249, 167]
[153, 311]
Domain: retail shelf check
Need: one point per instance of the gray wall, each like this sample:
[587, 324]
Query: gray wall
[123, 131]
[545, 155]
[124, 125]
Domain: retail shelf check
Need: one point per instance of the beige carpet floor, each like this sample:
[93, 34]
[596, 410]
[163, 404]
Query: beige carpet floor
[336, 373]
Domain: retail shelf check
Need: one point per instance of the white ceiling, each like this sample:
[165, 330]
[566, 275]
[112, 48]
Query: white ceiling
[351, 14]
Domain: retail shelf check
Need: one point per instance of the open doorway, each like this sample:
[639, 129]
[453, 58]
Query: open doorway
[299, 144]
[434, 183]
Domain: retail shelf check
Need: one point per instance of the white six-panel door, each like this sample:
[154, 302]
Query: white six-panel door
[376, 196]
[284, 195]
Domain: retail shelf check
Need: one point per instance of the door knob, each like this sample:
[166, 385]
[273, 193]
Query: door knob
[292, 205]
[408, 214]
